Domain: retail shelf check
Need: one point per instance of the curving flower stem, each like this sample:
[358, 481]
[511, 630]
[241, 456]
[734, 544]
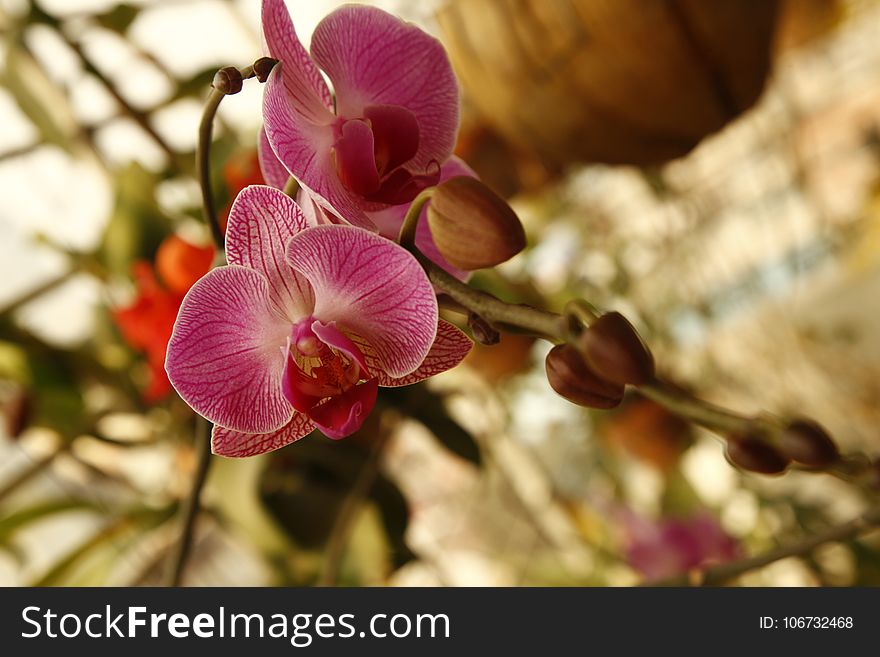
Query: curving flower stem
[203, 149]
[578, 315]
[714, 575]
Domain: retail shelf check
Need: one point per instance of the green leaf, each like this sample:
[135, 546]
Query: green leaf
[420, 403]
[20, 519]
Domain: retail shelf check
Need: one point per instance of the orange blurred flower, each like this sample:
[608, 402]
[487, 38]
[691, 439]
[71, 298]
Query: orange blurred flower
[146, 324]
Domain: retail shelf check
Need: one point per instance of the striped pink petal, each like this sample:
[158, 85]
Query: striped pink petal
[225, 442]
[371, 287]
[300, 78]
[450, 347]
[261, 221]
[224, 354]
[306, 149]
[274, 173]
[374, 58]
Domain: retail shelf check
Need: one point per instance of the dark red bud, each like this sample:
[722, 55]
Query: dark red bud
[228, 80]
[755, 455]
[262, 67]
[571, 377]
[616, 352]
[807, 442]
[483, 331]
[472, 226]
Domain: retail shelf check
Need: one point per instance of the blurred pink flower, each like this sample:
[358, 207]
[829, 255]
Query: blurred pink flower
[663, 548]
[301, 327]
[390, 126]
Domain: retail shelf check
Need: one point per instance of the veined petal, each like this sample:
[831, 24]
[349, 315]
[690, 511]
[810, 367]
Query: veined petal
[374, 58]
[273, 171]
[355, 158]
[261, 221]
[225, 442]
[333, 337]
[305, 149]
[372, 287]
[395, 133]
[305, 88]
[450, 347]
[223, 357]
[344, 414]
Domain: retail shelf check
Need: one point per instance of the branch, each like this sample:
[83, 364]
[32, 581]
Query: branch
[868, 521]
[191, 505]
[578, 316]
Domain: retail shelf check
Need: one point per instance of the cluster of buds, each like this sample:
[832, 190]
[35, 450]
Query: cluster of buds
[594, 369]
[801, 441]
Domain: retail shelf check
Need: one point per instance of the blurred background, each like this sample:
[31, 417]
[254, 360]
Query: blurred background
[711, 169]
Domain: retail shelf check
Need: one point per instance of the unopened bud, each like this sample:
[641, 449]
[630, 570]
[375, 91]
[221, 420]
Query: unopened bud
[807, 442]
[571, 377]
[616, 352]
[483, 331]
[262, 67]
[473, 227]
[228, 80]
[753, 454]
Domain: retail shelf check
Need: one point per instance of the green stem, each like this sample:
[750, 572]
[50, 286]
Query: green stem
[203, 158]
[39, 290]
[868, 521]
[578, 315]
[191, 505]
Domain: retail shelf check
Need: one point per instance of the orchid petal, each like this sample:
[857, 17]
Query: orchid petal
[344, 414]
[374, 58]
[395, 133]
[225, 442]
[330, 335]
[371, 287]
[450, 347]
[355, 158]
[305, 149]
[301, 79]
[273, 171]
[261, 221]
[223, 355]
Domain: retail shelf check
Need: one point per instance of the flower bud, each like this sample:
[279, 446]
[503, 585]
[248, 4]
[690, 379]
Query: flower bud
[807, 442]
[572, 378]
[616, 352]
[228, 80]
[483, 331]
[263, 66]
[472, 226]
[753, 454]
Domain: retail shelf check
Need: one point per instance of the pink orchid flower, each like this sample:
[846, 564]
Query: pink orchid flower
[301, 327]
[389, 128]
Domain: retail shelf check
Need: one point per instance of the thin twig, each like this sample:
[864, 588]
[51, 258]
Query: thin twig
[191, 505]
[579, 314]
[868, 521]
[31, 471]
[39, 290]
